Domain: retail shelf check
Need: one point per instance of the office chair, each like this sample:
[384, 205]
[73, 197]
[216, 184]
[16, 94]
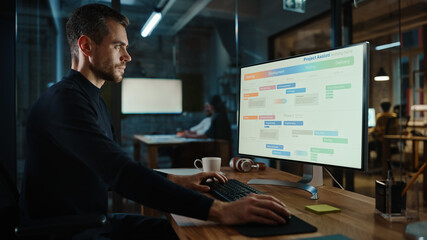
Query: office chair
[393, 128]
[63, 227]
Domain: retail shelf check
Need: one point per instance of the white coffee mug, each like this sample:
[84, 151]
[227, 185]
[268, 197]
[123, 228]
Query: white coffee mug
[209, 164]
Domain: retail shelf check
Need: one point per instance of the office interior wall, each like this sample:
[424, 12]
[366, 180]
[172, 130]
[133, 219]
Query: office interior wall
[7, 89]
[270, 21]
[36, 63]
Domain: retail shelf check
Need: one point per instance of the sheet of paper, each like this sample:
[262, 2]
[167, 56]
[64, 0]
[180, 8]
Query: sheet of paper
[179, 171]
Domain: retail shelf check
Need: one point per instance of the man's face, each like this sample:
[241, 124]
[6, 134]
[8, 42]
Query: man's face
[110, 57]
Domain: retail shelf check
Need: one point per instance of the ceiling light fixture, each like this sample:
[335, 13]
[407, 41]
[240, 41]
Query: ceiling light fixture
[385, 46]
[381, 75]
[151, 23]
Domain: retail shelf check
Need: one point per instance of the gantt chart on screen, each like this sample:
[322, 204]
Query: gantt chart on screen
[307, 109]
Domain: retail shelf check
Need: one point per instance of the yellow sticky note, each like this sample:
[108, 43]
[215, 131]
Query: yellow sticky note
[322, 208]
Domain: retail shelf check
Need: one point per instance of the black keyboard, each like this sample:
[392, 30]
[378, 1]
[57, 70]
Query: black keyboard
[231, 190]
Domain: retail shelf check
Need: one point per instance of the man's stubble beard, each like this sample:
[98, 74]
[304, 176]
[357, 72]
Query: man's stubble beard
[106, 72]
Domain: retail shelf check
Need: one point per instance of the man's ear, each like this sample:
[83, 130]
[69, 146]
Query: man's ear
[86, 45]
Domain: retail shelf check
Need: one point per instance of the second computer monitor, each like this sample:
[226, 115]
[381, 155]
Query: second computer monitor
[371, 117]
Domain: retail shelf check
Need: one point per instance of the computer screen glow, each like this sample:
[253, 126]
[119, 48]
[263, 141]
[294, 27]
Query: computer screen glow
[371, 117]
[310, 108]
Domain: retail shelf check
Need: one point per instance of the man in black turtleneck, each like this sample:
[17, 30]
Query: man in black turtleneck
[74, 159]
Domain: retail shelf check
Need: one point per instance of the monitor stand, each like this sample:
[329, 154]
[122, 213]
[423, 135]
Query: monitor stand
[312, 175]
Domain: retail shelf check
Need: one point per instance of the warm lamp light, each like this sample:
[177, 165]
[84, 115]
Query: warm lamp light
[381, 75]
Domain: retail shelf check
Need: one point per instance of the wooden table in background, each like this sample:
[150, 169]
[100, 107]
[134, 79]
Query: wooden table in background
[415, 158]
[356, 220]
[153, 142]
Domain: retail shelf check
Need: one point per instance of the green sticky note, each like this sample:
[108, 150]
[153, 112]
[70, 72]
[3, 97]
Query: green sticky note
[322, 208]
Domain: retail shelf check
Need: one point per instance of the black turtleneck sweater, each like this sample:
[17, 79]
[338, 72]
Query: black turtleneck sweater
[74, 159]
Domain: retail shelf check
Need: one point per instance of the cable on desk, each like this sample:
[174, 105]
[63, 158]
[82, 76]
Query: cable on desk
[330, 174]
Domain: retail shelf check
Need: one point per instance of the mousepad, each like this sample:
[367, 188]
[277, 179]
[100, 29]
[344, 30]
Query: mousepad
[295, 225]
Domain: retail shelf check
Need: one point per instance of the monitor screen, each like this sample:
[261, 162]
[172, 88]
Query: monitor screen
[149, 96]
[371, 117]
[310, 108]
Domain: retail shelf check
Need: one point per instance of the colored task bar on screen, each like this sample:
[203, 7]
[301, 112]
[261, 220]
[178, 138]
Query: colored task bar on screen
[286, 85]
[267, 117]
[325, 133]
[281, 153]
[273, 123]
[274, 146]
[322, 150]
[293, 123]
[295, 90]
[250, 117]
[264, 88]
[308, 67]
[335, 140]
[246, 95]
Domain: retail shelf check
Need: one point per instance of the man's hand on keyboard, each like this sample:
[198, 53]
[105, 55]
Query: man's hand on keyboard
[254, 208]
[193, 181]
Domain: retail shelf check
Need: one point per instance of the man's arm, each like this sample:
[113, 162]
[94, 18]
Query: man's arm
[202, 127]
[189, 134]
[253, 208]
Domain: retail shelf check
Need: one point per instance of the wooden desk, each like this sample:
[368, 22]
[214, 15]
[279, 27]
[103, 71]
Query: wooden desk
[153, 142]
[415, 148]
[356, 219]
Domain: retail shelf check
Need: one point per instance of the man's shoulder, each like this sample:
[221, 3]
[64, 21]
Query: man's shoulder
[60, 95]
[63, 90]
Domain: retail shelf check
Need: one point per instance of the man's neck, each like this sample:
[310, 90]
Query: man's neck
[88, 74]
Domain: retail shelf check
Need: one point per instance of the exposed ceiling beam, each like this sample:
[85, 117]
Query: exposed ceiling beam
[168, 5]
[190, 14]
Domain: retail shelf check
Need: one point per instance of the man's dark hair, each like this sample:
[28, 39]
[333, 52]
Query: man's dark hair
[91, 20]
[385, 105]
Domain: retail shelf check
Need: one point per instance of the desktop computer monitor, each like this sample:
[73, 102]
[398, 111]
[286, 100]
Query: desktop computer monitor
[310, 109]
[371, 117]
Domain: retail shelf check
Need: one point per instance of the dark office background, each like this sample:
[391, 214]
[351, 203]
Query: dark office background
[203, 54]
[7, 86]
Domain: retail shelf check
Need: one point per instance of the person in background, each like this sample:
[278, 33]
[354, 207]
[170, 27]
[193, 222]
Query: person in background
[220, 126]
[382, 119]
[202, 127]
[384, 123]
[74, 158]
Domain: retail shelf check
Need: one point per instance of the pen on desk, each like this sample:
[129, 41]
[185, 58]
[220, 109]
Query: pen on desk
[414, 178]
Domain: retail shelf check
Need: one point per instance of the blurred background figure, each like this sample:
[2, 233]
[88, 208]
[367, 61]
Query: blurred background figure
[220, 125]
[219, 129]
[386, 123]
[202, 127]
